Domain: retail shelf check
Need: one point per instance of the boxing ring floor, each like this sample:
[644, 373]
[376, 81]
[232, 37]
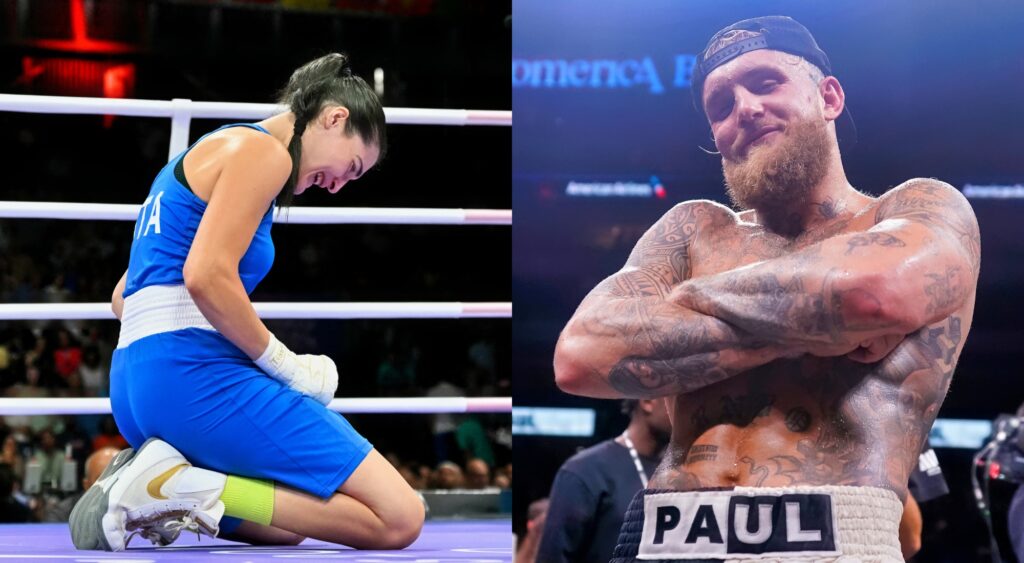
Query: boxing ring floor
[462, 541]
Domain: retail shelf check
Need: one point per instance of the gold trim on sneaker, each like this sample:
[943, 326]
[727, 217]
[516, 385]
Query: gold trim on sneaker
[153, 488]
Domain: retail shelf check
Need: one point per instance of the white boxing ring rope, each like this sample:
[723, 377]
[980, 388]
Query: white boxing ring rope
[391, 405]
[282, 310]
[181, 112]
[294, 215]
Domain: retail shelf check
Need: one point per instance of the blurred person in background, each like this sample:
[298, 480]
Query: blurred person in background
[76, 438]
[56, 292]
[999, 473]
[536, 514]
[444, 424]
[926, 483]
[50, 457]
[473, 441]
[503, 476]
[395, 377]
[11, 511]
[593, 488]
[94, 466]
[6, 373]
[448, 475]
[40, 370]
[11, 455]
[482, 370]
[109, 437]
[95, 338]
[67, 357]
[91, 373]
[478, 474]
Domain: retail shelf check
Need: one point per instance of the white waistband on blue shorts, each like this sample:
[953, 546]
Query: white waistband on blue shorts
[156, 309]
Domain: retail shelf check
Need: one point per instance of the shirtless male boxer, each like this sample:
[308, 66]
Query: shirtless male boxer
[805, 344]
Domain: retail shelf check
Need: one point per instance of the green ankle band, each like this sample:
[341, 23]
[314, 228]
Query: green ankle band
[249, 499]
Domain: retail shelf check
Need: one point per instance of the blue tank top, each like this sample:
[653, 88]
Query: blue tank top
[167, 225]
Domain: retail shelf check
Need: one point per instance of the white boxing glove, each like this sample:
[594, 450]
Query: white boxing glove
[314, 376]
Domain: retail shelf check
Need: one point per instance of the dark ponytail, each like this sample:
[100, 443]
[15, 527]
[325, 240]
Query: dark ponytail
[329, 80]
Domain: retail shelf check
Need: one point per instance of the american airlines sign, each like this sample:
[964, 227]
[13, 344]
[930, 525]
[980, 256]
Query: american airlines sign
[602, 74]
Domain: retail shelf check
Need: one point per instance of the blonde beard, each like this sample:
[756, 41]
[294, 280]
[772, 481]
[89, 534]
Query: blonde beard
[780, 173]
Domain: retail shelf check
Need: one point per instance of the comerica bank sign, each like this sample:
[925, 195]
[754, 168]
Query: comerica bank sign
[602, 74]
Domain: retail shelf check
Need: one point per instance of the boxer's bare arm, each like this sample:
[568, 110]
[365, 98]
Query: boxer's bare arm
[116, 300]
[241, 195]
[916, 266]
[628, 339]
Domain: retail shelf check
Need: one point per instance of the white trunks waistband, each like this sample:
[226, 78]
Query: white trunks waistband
[159, 308]
[833, 523]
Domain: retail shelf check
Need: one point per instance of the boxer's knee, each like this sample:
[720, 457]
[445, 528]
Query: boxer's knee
[403, 525]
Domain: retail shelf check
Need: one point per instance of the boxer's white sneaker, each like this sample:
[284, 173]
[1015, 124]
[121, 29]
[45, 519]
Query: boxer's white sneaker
[155, 493]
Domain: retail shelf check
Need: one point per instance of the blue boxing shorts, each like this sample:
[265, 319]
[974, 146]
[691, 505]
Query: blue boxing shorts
[200, 393]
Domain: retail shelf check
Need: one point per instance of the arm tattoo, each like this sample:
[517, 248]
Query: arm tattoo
[652, 378]
[943, 290]
[879, 415]
[934, 346]
[809, 297]
[937, 205]
[779, 306]
[673, 349]
[917, 374]
[861, 425]
[869, 239]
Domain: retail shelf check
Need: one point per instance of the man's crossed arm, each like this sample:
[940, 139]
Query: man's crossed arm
[650, 330]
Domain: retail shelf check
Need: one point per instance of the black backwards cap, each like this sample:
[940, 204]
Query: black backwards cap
[778, 33]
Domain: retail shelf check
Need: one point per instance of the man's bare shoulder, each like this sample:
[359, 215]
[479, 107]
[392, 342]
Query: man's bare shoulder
[939, 207]
[700, 213]
[681, 225]
[926, 185]
[922, 197]
[675, 232]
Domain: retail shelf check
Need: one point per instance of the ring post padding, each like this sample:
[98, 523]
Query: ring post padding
[181, 118]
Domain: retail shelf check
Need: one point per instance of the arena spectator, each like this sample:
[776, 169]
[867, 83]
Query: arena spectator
[472, 440]
[109, 436]
[448, 476]
[478, 474]
[94, 466]
[11, 511]
[11, 456]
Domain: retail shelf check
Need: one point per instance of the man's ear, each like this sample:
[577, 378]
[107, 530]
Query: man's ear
[833, 97]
